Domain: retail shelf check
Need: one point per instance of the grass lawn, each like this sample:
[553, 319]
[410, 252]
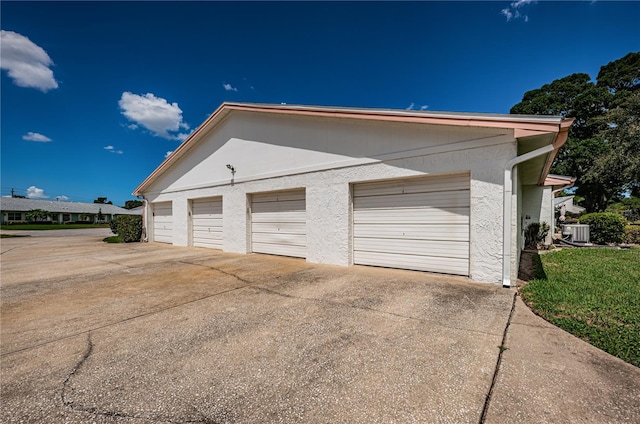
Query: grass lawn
[112, 239]
[593, 294]
[24, 227]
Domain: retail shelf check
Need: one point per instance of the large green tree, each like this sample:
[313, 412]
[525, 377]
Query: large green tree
[132, 204]
[620, 161]
[103, 200]
[599, 150]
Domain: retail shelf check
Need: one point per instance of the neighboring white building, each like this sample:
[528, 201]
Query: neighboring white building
[429, 191]
[566, 203]
[15, 209]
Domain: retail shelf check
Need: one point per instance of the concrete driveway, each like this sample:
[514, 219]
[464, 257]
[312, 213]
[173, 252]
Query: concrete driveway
[142, 333]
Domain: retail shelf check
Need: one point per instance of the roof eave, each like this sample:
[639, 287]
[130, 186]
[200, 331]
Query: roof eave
[558, 142]
[522, 125]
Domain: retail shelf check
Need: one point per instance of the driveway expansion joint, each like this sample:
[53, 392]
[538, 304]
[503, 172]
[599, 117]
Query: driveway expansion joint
[502, 347]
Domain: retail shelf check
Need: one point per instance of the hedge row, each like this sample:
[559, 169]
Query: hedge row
[632, 234]
[605, 227]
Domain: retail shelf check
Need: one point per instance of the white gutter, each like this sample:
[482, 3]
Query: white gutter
[506, 214]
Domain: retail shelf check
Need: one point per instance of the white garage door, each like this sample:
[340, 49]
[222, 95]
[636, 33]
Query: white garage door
[206, 222]
[162, 222]
[278, 223]
[420, 224]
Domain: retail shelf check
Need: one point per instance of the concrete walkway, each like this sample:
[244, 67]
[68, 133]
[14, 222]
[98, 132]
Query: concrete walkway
[546, 375]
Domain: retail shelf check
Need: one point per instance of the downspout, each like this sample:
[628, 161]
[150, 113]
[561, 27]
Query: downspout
[144, 237]
[506, 214]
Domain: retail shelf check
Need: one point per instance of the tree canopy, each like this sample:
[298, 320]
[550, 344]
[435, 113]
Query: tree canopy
[132, 204]
[37, 215]
[603, 148]
[103, 200]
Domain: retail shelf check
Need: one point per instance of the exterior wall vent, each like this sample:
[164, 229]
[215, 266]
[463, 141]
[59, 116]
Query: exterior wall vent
[576, 233]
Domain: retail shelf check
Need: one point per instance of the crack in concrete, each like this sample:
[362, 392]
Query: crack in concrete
[17, 247]
[496, 370]
[237, 277]
[105, 413]
[75, 369]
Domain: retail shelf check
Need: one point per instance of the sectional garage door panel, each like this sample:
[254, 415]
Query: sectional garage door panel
[419, 216]
[206, 223]
[438, 184]
[413, 231]
[278, 223]
[163, 222]
[402, 246]
[420, 224]
[436, 200]
[417, 263]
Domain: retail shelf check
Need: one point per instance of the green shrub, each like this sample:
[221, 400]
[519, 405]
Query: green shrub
[632, 234]
[535, 234]
[113, 224]
[129, 227]
[604, 227]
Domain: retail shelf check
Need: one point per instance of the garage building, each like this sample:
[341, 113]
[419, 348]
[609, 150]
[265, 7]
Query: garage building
[430, 191]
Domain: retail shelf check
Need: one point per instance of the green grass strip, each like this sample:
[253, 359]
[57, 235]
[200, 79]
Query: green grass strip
[593, 294]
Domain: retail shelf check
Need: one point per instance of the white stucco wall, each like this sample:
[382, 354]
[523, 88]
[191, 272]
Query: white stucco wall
[327, 158]
[537, 206]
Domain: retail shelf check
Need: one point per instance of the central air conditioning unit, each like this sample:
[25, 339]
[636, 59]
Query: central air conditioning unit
[576, 233]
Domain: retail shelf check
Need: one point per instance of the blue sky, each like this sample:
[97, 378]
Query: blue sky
[93, 95]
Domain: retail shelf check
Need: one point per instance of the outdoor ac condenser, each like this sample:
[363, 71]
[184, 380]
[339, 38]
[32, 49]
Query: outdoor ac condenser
[577, 233]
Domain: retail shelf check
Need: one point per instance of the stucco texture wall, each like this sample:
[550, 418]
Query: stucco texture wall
[280, 154]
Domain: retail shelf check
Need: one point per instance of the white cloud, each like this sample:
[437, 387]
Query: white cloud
[113, 150]
[166, 155]
[26, 62]
[162, 118]
[34, 192]
[228, 87]
[132, 126]
[410, 107]
[34, 136]
[62, 198]
[513, 11]
[424, 107]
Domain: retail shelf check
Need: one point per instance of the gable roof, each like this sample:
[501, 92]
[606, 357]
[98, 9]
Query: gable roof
[559, 181]
[523, 125]
[568, 202]
[17, 204]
